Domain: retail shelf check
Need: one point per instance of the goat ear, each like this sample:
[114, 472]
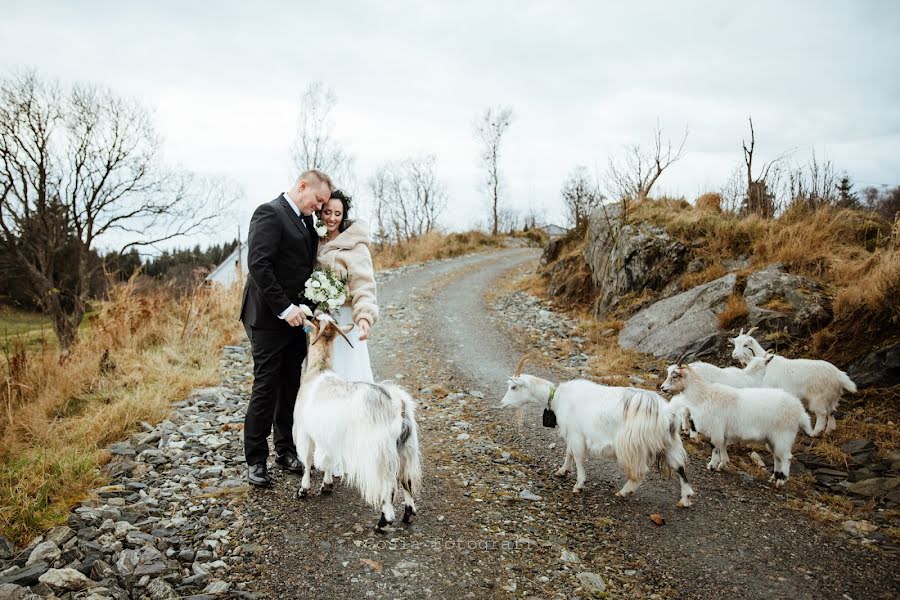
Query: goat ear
[348, 328]
[769, 357]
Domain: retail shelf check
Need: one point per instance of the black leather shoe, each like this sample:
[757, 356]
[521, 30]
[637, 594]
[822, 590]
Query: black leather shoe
[290, 462]
[258, 475]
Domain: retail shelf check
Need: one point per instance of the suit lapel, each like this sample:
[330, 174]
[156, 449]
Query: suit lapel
[293, 218]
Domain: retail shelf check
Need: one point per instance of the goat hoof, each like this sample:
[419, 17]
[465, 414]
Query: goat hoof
[684, 503]
[327, 488]
[302, 493]
[382, 523]
[408, 513]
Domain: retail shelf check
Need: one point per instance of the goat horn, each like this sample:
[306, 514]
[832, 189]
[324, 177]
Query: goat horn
[680, 356]
[751, 330]
[521, 364]
[341, 332]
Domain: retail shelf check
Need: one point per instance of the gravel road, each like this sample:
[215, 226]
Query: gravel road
[494, 522]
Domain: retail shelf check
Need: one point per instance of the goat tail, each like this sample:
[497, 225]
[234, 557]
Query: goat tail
[806, 423]
[648, 428]
[409, 474]
[847, 383]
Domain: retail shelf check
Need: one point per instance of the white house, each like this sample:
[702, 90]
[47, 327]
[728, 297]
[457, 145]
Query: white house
[232, 269]
[553, 230]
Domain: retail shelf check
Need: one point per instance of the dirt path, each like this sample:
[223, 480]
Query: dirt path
[494, 522]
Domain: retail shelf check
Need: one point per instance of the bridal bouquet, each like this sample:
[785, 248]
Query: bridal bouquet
[326, 289]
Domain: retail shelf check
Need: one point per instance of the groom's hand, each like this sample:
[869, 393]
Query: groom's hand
[295, 317]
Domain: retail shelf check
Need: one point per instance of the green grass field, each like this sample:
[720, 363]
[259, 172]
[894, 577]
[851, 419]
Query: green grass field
[28, 328]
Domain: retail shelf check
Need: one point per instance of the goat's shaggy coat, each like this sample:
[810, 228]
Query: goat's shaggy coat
[370, 429]
[727, 414]
[630, 425]
[818, 383]
[750, 376]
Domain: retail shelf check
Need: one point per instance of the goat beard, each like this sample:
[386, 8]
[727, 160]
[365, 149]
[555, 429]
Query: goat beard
[520, 416]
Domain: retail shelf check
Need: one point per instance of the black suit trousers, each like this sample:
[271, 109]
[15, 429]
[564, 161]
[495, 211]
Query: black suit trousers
[277, 356]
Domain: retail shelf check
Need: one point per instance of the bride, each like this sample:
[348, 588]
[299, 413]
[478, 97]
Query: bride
[345, 250]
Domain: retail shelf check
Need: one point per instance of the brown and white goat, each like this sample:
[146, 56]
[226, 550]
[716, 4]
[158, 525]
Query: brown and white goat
[370, 429]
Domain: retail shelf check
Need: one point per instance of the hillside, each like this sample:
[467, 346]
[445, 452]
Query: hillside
[668, 279]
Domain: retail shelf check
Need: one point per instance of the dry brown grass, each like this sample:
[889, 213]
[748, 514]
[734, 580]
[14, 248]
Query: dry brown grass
[735, 311]
[608, 361]
[431, 246]
[710, 273]
[710, 202]
[137, 354]
[852, 253]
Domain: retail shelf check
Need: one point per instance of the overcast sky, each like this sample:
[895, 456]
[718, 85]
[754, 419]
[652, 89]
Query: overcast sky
[583, 78]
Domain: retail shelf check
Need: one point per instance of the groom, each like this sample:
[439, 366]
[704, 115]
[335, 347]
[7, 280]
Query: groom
[282, 247]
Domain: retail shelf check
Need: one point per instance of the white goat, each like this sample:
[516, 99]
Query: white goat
[369, 429]
[630, 425]
[750, 376]
[818, 383]
[728, 414]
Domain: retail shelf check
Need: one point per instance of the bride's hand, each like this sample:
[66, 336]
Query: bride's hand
[363, 325]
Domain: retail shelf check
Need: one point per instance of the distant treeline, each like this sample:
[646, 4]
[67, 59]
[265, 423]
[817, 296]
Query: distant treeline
[181, 267]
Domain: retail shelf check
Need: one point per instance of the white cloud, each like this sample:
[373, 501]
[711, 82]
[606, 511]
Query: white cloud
[583, 78]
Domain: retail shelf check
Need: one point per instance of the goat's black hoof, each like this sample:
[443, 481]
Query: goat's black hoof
[327, 488]
[382, 523]
[408, 513]
[301, 493]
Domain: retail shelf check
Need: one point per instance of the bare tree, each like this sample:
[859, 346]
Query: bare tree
[634, 174]
[580, 196]
[379, 184]
[533, 217]
[490, 129]
[77, 166]
[315, 146]
[814, 184]
[760, 195]
[408, 198]
[430, 196]
[510, 220]
[733, 191]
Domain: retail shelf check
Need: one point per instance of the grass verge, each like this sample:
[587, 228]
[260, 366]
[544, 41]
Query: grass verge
[136, 354]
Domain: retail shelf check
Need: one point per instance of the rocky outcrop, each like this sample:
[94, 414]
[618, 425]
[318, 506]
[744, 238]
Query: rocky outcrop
[687, 323]
[629, 257]
[684, 322]
[880, 367]
[781, 301]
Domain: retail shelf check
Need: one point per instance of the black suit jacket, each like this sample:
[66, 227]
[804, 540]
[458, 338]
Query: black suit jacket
[281, 255]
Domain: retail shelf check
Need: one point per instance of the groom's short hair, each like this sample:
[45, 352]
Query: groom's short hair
[319, 175]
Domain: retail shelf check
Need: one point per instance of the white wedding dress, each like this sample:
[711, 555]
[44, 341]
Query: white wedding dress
[351, 364]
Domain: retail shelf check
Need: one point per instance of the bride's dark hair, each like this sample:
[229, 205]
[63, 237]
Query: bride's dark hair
[346, 201]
